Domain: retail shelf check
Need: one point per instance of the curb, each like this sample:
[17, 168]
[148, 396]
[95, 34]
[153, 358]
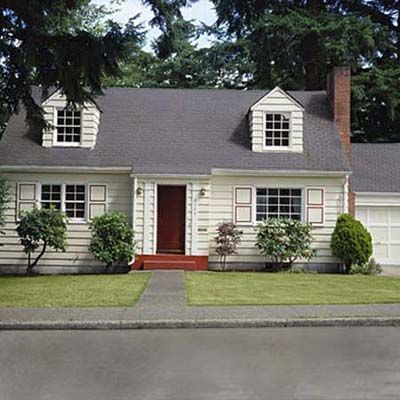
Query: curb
[193, 324]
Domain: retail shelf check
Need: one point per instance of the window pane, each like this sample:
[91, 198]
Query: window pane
[278, 203]
[68, 126]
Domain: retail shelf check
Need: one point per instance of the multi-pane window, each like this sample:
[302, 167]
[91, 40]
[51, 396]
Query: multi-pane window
[70, 199]
[278, 203]
[277, 130]
[75, 201]
[68, 126]
[51, 196]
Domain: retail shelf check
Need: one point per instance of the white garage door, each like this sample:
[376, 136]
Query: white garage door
[384, 225]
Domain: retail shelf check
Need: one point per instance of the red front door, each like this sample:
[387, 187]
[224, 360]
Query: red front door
[171, 219]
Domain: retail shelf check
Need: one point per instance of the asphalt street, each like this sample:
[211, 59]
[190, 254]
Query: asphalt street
[236, 364]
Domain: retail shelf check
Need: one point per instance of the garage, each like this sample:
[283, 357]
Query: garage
[375, 181]
[383, 222]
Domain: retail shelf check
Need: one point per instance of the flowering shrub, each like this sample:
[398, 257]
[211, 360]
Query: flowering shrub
[227, 239]
[284, 240]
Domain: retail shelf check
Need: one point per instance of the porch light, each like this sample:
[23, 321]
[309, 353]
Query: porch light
[203, 191]
[139, 191]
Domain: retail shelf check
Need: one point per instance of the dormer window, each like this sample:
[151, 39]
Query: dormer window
[68, 128]
[277, 130]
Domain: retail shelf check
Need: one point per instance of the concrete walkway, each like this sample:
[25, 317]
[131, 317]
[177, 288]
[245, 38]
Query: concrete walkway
[164, 301]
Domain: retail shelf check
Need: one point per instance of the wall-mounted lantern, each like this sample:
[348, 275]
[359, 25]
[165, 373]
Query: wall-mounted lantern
[139, 191]
[203, 192]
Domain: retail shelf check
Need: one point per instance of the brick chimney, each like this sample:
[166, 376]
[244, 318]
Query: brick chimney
[339, 94]
[339, 81]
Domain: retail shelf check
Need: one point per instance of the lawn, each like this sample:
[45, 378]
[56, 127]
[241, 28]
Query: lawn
[230, 288]
[72, 290]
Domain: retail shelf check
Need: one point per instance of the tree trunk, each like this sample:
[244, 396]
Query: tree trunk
[29, 270]
[312, 54]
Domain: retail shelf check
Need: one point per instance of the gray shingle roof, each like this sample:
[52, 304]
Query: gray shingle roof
[183, 131]
[376, 167]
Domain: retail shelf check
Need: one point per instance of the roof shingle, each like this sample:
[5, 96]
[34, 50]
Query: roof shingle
[183, 131]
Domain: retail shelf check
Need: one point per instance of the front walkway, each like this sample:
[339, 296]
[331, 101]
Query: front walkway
[164, 300]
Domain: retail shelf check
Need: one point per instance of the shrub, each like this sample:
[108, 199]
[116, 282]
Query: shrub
[227, 239]
[112, 239]
[284, 240]
[369, 268]
[351, 242]
[4, 199]
[46, 228]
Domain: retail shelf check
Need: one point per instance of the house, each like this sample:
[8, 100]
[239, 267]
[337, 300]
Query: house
[179, 162]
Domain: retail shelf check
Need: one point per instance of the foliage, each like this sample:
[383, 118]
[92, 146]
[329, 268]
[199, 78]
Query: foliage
[56, 43]
[351, 242]
[284, 240]
[227, 239]
[4, 199]
[44, 227]
[112, 239]
[369, 268]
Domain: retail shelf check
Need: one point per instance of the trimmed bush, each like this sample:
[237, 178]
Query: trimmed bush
[112, 240]
[284, 240]
[44, 227]
[227, 239]
[351, 242]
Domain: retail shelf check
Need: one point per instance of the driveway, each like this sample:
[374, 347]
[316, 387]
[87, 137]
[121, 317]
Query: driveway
[210, 364]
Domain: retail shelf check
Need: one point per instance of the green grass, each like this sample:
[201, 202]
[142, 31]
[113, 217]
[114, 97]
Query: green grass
[72, 290]
[230, 288]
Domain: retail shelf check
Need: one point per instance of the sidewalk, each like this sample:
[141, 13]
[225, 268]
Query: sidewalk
[163, 305]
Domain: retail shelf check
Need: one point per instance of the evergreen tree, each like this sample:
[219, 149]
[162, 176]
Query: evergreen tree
[54, 43]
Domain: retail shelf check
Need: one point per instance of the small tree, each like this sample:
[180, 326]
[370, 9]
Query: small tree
[112, 239]
[4, 199]
[284, 240]
[351, 242]
[46, 228]
[227, 239]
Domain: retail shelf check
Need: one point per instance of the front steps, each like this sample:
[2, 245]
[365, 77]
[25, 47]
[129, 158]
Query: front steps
[170, 261]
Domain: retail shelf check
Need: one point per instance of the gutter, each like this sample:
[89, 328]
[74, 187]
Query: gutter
[67, 169]
[221, 171]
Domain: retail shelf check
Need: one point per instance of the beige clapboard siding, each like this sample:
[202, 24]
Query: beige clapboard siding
[221, 209]
[276, 101]
[90, 120]
[119, 199]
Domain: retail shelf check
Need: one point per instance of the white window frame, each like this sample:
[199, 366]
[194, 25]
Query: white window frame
[264, 133]
[39, 193]
[63, 199]
[303, 194]
[56, 143]
[85, 202]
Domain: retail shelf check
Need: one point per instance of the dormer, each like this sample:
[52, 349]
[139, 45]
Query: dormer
[276, 123]
[69, 127]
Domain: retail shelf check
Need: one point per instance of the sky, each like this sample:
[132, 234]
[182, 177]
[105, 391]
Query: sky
[202, 11]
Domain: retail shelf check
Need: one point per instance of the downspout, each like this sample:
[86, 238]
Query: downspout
[346, 195]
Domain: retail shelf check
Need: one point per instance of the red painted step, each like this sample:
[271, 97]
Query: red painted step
[158, 264]
[170, 261]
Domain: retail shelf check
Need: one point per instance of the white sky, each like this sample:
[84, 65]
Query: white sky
[202, 11]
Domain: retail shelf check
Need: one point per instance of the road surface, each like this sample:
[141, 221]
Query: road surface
[213, 364]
